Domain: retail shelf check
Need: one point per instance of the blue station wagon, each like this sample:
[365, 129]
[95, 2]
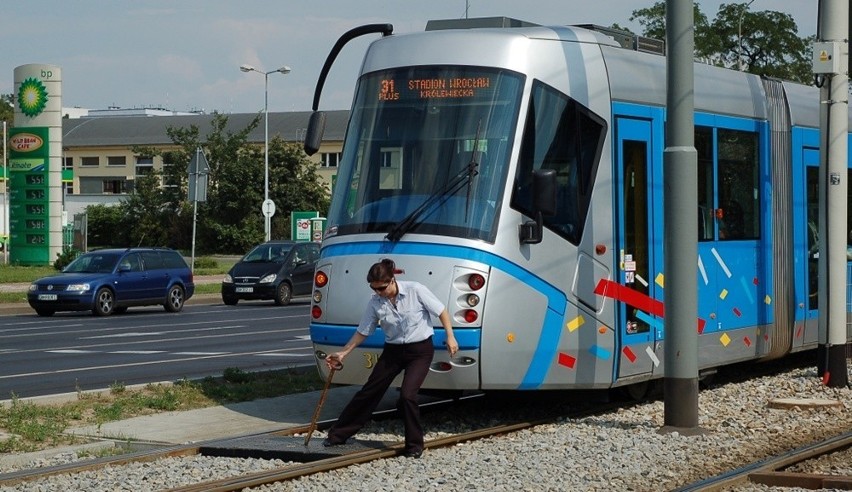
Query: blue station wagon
[109, 281]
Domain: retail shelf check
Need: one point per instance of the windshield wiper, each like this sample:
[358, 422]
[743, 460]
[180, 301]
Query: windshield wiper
[464, 177]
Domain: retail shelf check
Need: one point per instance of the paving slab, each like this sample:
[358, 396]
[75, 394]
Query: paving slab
[229, 421]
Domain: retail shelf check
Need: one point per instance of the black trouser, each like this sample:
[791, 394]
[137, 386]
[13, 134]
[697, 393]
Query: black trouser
[414, 359]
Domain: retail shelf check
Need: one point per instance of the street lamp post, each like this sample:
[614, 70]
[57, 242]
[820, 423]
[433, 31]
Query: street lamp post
[267, 214]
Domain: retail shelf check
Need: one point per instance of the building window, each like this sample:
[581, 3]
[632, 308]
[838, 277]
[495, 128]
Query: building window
[67, 163]
[68, 187]
[331, 159]
[113, 186]
[116, 160]
[89, 161]
[144, 165]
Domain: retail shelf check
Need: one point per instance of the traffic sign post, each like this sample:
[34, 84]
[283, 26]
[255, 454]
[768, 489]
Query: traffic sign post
[300, 225]
[268, 208]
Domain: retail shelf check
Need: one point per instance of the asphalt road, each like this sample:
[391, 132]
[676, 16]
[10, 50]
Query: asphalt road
[78, 351]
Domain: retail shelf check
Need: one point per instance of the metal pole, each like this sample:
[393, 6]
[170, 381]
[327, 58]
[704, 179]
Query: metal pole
[195, 204]
[680, 185]
[833, 206]
[6, 201]
[266, 218]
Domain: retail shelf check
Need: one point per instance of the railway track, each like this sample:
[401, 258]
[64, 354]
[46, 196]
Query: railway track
[472, 419]
[773, 471]
[292, 470]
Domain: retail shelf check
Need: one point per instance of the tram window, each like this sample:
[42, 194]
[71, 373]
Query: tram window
[738, 200]
[704, 148]
[562, 135]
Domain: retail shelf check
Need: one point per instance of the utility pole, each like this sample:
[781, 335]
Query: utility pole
[680, 185]
[831, 63]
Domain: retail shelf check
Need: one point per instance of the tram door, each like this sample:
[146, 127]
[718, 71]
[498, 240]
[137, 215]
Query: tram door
[635, 200]
[811, 304]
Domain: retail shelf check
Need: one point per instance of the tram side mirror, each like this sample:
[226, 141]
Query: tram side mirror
[544, 203]
[313, 136]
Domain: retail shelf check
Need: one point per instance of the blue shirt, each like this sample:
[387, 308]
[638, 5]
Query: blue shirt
[408, 321]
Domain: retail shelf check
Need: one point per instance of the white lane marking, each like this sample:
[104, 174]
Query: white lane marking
[199, 353]
[303, 337]
[137, 352]
[284, 355]
[71, 351]
[123, 335]
[136, 364]
[161, 340]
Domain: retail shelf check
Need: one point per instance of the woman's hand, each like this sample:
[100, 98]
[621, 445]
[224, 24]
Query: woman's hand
[452, 345]
[335, 361]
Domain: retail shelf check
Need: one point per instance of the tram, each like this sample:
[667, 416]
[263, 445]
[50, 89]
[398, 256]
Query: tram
[516, 171]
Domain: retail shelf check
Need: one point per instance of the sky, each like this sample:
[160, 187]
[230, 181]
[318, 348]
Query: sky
[184, 55]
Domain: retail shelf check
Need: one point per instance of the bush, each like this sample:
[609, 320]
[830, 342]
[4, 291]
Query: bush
[206, 262]
[67, 255]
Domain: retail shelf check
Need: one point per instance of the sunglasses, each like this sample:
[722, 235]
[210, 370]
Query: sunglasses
[381, 288]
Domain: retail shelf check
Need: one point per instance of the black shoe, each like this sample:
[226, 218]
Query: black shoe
[413, 454]
[329, 443]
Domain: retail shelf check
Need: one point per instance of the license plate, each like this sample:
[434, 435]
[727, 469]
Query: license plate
[47, 297]
[244, 290]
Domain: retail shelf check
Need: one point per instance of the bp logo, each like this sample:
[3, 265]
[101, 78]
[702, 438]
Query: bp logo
[32, 97]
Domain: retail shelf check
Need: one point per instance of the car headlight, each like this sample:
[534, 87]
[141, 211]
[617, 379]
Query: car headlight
[33, 287]
[269, 278]
[228, 279]
[78, 287]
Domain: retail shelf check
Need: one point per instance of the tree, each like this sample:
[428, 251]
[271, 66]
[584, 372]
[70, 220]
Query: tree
[230, 220]
[653, 22]
[295, 185]
[7, 110]
[148, 212]
[106, 227]
[770, 44]
[765, 43]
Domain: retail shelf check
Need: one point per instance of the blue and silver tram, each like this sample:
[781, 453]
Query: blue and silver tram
[455, 132]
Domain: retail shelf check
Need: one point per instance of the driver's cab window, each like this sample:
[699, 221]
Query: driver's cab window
[562, 135]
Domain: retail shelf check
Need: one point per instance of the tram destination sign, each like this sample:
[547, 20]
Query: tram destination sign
[449, 87]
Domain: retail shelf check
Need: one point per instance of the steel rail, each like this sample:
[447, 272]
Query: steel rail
[766, 472]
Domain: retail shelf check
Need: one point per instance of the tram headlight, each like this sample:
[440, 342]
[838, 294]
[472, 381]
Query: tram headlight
[320, 279]
[316, 312]
[472, 300]
[470, 315]
[476, 281]
[317, 297]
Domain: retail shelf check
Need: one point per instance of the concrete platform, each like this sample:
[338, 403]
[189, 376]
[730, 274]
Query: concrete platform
[230, 421]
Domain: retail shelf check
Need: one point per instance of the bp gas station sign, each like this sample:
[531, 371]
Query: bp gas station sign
[35, 167]
[29, 154]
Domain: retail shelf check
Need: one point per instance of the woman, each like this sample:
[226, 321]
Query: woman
[404, 310]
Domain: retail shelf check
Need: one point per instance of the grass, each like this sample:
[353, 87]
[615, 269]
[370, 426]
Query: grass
[26, 426]
[16, 273]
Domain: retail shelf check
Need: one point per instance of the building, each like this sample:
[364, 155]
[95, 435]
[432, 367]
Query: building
[98, 150]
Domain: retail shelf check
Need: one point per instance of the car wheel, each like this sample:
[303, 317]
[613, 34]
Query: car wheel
[174, 300]
[120, 310]
[283, 294]
[104, 302]
[230, 301]
[45, 312]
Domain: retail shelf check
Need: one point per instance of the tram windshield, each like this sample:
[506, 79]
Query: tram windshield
[427, 151]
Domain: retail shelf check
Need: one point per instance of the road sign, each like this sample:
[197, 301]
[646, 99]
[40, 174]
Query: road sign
[268, 208]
